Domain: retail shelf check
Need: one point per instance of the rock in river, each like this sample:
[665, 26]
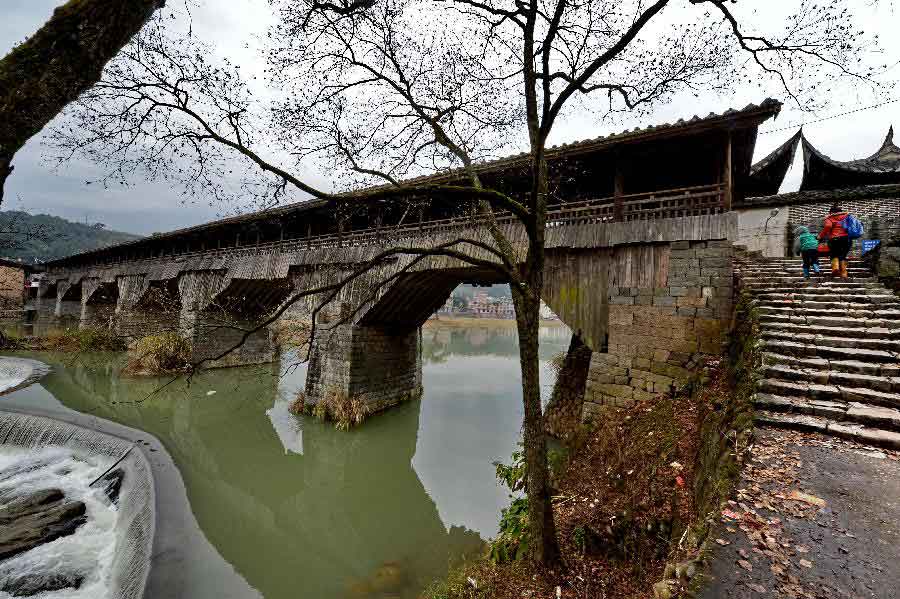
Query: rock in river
[35, 518]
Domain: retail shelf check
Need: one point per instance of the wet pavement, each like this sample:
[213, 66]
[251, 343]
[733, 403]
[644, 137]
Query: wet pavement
[812, 517]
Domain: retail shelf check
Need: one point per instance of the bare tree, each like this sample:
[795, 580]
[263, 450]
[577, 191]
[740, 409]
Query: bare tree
[63, 58]
[386, 90]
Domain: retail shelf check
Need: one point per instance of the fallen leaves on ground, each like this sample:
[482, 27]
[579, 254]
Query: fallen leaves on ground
[771, 493]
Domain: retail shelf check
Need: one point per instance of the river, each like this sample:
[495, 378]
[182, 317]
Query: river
[300, 509]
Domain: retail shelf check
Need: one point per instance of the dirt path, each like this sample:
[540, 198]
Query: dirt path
[813, 517]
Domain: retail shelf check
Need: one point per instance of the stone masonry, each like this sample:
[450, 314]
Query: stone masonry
[658, 335]
[381, 366]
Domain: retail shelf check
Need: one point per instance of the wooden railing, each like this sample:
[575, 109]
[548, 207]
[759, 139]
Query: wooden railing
[669, 203]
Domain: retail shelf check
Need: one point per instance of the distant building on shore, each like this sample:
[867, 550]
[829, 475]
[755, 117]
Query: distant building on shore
[485, 306]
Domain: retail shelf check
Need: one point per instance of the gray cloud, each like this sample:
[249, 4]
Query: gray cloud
[236, 28]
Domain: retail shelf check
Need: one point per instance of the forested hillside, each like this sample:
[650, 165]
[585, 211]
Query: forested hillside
[41, 237]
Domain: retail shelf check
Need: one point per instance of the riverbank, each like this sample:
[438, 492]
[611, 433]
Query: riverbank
[630, 505]
[64, 340]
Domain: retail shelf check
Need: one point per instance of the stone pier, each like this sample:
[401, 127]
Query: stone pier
[375, 364]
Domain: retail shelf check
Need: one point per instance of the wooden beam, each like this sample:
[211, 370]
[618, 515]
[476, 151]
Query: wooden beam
[727, 175]
[618, 192]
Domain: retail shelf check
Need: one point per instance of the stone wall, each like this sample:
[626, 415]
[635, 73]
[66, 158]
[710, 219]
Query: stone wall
[12, 286]
[885, 262]
[134, 324]
[381, 366]
[658, 335]
[211, 337]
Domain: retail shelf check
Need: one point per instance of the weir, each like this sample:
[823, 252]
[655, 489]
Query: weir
[135, 513]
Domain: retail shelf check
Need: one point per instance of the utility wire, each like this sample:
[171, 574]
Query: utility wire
[828, 118]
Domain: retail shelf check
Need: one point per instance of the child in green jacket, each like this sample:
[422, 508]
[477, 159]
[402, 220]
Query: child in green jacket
[807, 245]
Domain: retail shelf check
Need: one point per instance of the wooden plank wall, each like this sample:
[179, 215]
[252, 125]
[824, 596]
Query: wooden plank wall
[577, 284]
[575, 288]
[639, 266]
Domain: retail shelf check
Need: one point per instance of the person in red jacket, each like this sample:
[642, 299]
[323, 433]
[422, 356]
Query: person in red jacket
[839, 243]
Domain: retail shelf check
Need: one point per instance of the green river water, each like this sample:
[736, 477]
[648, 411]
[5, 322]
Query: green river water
[300, 510]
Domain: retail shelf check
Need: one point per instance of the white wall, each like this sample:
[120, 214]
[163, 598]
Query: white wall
[755, 235]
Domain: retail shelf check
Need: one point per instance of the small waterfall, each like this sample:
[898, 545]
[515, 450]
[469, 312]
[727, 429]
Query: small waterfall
[112, 551]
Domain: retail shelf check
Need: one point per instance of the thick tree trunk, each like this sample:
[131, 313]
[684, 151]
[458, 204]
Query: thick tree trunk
[543, 545]
[59, 62]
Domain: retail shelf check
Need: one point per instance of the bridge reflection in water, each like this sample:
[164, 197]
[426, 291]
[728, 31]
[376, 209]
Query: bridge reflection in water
[302, 510]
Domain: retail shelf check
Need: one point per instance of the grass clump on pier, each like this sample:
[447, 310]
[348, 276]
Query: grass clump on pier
[155, 354]
[336, 406]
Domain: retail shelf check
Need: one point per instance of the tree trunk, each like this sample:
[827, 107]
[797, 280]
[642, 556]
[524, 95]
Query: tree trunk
[59, 62]
[542, 529]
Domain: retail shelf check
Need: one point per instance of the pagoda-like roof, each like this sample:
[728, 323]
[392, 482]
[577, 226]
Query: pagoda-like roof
[767, 175]
[822, 172]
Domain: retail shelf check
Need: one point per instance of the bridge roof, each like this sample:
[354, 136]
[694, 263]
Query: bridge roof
[732, 119]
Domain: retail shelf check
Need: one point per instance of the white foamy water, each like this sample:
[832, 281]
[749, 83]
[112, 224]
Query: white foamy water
[89, 552]
[16, 372]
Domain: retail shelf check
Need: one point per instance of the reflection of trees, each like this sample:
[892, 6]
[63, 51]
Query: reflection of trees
[293, 525]
[440, 343]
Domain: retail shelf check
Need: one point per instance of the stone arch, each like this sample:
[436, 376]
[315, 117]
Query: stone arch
[98, 302]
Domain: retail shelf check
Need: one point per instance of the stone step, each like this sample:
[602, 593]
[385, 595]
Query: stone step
[853, 432]
[819, 290]
[868, 312]
[796, 275]
[797, 269]
[891, 345]
[874, 416]
[832, 331]
[807, 374]
[884, 369]
[829, 321]
[807, 350]
[833, 306]
[820, 392]
[814, 296]
[793, 285]
[792, 262]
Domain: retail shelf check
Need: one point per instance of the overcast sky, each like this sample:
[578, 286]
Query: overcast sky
[236, 28]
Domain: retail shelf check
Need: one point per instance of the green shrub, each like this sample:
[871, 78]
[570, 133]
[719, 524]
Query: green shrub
[166, 352]
[512, 541]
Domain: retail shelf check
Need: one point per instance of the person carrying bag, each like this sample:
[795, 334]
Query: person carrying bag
[840, 229]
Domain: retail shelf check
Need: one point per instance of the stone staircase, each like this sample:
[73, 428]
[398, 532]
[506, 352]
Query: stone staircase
[831, 350]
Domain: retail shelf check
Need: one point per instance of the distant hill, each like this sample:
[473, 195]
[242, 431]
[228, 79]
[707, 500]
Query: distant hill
[41, 237]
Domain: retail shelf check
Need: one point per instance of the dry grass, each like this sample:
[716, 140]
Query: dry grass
[156, 354]
[336, 406]
[624, 501]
